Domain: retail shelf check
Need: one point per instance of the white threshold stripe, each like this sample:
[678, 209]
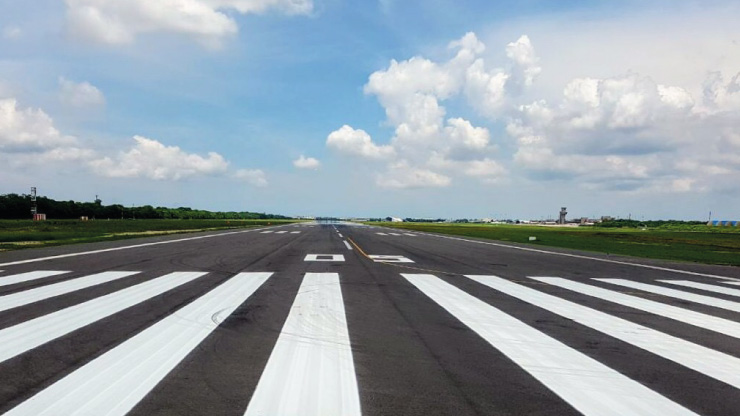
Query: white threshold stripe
[701, 320]
[576, 256]
[678, 294]
[28, 276]
[26, 297]
[586, 384]
[106, 250]
[714, 364]
[311, 370]
[115, 382]
[346, 244]
[704, 286]
[20, 338]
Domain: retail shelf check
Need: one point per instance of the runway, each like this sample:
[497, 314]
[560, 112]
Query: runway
[343, 319]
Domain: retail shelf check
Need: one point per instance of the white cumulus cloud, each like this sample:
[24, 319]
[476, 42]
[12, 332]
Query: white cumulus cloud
[616, 129]
[80, 94]
[358, 143]
[401, 175]
[151, 159]
[304, 162]
[425, 139]
[28, 130]
[526, 62]
[255, 177]
[209, 21]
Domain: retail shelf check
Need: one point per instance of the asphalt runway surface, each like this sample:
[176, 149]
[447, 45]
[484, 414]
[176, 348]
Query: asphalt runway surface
[339, 319]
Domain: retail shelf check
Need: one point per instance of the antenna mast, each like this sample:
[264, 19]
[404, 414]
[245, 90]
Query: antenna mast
[34, 206]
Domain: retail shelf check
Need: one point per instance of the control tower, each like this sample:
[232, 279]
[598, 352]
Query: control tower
[563, 213]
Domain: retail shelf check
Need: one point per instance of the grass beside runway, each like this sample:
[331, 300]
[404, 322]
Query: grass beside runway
[20, 234]
[700, 244]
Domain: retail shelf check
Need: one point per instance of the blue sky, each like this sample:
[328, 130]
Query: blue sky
[403, 108]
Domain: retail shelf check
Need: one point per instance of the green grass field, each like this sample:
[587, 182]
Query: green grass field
[20, 234]
[691, 243]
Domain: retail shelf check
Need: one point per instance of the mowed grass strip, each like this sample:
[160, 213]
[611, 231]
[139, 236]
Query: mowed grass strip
[711, 246]
[20, 234]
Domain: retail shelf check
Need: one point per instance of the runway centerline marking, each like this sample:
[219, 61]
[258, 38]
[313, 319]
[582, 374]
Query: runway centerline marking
[346, 244]
[589, 386]
[311, 370]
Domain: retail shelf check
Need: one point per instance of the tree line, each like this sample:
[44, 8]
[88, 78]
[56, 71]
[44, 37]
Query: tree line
[14, 206]
[622, 223]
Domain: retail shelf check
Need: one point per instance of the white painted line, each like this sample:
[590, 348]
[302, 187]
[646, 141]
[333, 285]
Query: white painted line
[586, 384]
[711, 363]
[395, 234]
[382, 258]
[678, 294]
[340, 235]
[15, 300]
[346, 244]
[704, 286]
[115, 382]
[324, 257]
[20, 338]
[701, 320]
[105, 250]
[381, 233]
[311, 371]
[280, 232]
[266, 232]
[28, 276]
[732, 283]
[576, 256]
[295, 232]
[409, 234]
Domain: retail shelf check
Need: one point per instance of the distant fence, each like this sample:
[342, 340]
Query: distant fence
[723, 223]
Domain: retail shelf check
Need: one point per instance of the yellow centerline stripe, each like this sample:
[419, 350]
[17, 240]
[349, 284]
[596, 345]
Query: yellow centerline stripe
[396, 264]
